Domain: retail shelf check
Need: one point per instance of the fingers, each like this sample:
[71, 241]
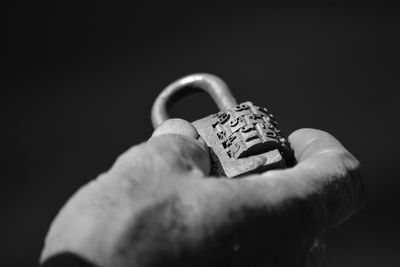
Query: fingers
[325, 172]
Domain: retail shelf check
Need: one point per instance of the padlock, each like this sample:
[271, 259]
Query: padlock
[242, 138]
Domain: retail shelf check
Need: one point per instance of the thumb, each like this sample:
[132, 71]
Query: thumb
[173, 148]
[176, 126]
[179, 141]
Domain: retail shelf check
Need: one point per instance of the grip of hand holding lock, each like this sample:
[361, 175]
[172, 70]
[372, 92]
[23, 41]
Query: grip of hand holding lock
[242, 138]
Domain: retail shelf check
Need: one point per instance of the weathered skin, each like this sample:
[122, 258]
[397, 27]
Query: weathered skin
[157, 206]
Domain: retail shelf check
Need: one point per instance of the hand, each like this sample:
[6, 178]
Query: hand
[157, 206]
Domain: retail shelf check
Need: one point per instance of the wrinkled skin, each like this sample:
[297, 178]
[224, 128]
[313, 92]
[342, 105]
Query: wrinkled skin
[157, 206]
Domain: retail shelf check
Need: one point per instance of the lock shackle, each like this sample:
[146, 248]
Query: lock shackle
[211, 84]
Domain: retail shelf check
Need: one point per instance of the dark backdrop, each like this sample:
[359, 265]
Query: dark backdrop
[78, 81]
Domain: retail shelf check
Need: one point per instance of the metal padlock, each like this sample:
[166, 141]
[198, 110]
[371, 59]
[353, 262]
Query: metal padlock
[242, 138]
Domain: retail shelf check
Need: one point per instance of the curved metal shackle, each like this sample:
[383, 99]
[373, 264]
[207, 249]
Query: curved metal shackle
[211, 84]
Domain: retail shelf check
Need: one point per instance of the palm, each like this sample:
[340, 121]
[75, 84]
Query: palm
[158, 206]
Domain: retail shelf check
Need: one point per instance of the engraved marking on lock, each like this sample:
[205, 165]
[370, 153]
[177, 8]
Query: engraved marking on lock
[247, 129]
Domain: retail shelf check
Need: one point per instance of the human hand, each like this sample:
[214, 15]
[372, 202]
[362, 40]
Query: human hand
[157, 206]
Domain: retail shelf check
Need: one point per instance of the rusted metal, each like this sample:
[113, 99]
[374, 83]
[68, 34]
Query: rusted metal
[243, 138]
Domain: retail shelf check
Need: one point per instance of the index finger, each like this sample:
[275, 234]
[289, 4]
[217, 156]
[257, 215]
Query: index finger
[308, 142]
[325, 164]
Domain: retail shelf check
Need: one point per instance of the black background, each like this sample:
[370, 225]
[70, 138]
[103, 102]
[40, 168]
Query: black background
[78, 81]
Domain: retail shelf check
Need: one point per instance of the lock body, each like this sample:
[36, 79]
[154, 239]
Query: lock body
[242, 138]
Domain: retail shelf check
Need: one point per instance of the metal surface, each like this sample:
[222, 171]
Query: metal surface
[209, 83]
[242, 138]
